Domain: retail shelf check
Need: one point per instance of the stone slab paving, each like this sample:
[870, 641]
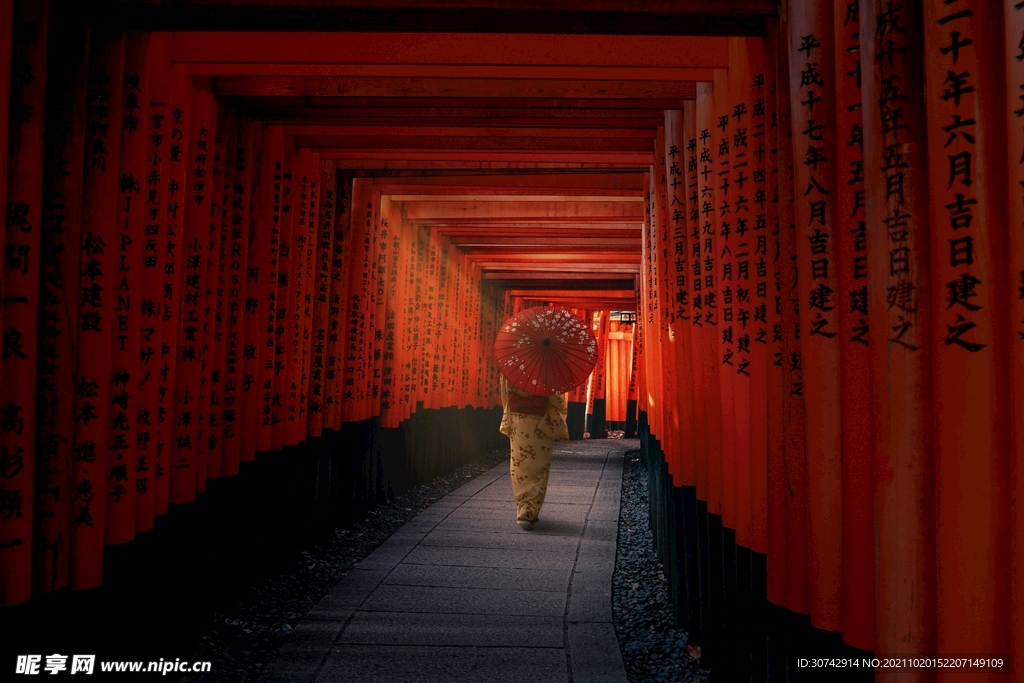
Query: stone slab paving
[461, 593]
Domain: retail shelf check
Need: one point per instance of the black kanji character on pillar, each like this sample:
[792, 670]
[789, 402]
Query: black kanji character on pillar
[11, 419]
[11, 462]
[808, 43]
[901, 328]
[962, 290]
[12, 344]
[960, 215]
[821, 298]
[960, 169]
[958, 86]
[955, 45]
[958, 330]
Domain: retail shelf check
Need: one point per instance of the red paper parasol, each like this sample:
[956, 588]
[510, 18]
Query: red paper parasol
[544, 351]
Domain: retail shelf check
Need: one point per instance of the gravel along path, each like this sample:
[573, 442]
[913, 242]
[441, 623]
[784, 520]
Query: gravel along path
[241, 641]
[653, 649]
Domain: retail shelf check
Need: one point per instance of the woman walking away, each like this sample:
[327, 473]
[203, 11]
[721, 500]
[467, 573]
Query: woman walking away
[532, 425]
[542, 353]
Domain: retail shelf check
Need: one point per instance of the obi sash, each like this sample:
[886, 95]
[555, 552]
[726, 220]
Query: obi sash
[533, 405]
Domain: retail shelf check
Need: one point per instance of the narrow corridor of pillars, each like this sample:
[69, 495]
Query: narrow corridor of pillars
[828, 339]
[867, 446]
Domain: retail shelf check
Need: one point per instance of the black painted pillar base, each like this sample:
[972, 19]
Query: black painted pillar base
[719, 591]
[598, 428]
[631, 419]
[576, 419]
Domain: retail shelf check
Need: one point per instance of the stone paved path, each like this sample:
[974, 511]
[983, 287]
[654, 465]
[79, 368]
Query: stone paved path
[460, 593]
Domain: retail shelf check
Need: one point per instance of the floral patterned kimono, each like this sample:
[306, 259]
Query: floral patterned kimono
[532, 425]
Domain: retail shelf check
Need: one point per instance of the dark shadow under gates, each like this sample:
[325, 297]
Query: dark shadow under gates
[161, 590]
[719, 590]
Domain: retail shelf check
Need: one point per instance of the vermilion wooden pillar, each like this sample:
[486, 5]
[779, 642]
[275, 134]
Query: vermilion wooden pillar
[645, 320]
[724, 302]
[895, 156]
[393, 394]
[712, 490]
[95, 324]
[313, 207]
[679, 271]
[187, 429]
[795, 445]
[742, 163]
[220, 189]
[6, 44]
[601, 371]
[61, 262]
[153, 197]
[855, 361]
[661, 409]
[284, 300]
[759, 329]
[812, 93]
[964, 91]
[211, 186]
[273, 177]
[240, 224]
[250, 404]
[127, 334]
[407, 379]
[337, 338]
[668, 414]
[177, 125]
[355, 324]
[695, 276]
[667, 294]
[289, 316]
[777, 387]
[431, 329]
[384, 254]
[318, 404]
[20, 318]
[1015, 117]
[706, 312]
[297, 318]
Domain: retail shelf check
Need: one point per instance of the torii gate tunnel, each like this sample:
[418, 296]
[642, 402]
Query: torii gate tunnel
[797, 227]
